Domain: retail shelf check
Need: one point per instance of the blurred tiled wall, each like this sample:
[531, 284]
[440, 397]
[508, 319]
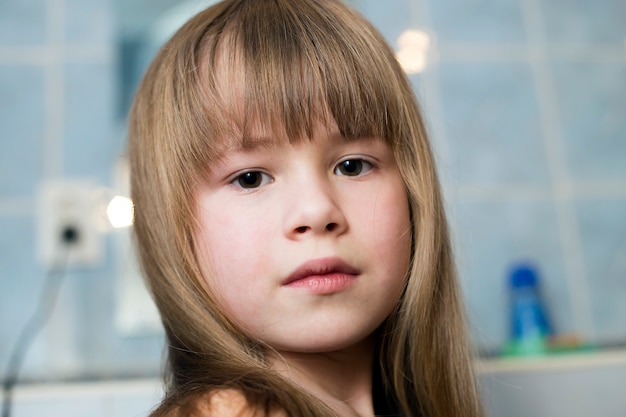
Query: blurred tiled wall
[526, 104]
[58, 93]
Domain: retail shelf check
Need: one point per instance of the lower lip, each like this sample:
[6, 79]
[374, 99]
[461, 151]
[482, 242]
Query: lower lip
[324, 284]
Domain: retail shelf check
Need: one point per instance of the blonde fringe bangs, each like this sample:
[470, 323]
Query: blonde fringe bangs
[304, 67]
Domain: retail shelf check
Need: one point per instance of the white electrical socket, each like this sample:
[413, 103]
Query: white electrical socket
[64, 206]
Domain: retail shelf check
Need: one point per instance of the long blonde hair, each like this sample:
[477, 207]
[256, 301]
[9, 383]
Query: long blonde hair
[299, 60]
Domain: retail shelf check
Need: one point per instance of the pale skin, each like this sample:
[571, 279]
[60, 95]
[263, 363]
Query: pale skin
[307, 246]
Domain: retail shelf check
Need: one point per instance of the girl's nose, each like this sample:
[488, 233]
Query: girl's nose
[314, 210]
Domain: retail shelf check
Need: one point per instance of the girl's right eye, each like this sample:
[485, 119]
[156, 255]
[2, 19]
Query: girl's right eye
[252, 179]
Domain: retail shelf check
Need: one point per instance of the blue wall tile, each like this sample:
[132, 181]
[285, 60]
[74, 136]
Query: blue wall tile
[21, 279]
[22, 129]
[583, 21]
[603, 233]
[22, 22]
[104, 352]
[492, 123]
[89, 22]
[592, 100]
[91, 144]
[491, 21]
[391, 18]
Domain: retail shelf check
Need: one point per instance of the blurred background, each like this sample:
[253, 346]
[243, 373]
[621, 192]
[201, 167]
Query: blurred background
[525, 102]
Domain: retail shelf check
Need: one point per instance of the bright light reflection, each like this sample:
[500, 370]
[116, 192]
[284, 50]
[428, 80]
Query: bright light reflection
[120, 212]
[413, 50]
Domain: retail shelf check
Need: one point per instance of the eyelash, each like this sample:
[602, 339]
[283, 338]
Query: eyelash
[261, 178]
[363, 166]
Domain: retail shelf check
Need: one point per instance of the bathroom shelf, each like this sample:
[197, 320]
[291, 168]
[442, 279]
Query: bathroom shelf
[553, 362]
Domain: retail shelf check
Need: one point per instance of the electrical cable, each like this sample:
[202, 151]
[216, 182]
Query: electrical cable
[47, 301]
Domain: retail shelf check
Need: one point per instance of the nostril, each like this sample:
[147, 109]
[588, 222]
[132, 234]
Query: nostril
[330, 227]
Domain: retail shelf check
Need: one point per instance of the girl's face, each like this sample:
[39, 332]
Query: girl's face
[306, 245]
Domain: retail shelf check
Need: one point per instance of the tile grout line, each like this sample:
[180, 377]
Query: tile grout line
[571, 244]
[28, 55]
[592, 191]
[17, 207]
[42, 55]
[54, 91]
[513, 52]
[432, 95]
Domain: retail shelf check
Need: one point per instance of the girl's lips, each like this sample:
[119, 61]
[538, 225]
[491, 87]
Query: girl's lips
[323, 276]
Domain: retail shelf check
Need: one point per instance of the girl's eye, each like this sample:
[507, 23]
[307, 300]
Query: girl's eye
[252, 179]
[353, 167]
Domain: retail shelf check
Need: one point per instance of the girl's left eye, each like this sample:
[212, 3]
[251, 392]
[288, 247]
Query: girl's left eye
[352, 167]
[252, 179]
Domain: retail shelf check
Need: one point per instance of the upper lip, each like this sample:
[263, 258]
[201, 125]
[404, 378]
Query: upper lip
[321, 266]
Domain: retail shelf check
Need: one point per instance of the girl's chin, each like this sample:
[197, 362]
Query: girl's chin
[326, 345]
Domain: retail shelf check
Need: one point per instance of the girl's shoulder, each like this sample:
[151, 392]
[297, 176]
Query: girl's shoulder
[222, 403]
[214, 403]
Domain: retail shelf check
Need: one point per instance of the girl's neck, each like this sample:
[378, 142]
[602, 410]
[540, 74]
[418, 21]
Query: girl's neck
[342, 379]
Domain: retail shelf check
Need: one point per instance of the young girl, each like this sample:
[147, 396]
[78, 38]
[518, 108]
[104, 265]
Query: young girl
[290, 223]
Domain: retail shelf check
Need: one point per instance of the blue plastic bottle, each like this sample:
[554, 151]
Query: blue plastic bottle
[529, 323]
